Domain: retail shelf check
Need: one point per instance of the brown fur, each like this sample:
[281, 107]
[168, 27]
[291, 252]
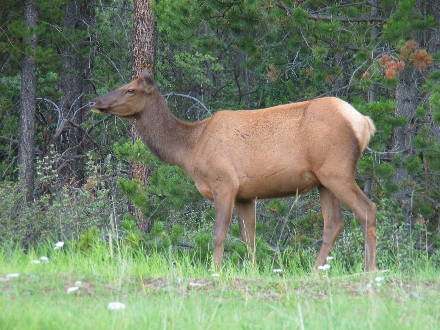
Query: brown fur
[235, 157]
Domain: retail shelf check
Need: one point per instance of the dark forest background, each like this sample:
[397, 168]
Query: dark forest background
[68, 174]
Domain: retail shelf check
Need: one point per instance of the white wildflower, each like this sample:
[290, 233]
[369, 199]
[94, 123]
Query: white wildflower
[379, 281]
[78, 283]
[115, 306]
[45, 259]
[329, 258]
[72, 289]
[13, 275]
[215, 275]
[278, 270]
[58, 245]
[36, 262]
[324, 267]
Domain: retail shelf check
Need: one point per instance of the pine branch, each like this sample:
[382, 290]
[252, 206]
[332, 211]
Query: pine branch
[317, 17]
[12, 162]
[432, 200]
[358, 4]
[364, 19]
[13, 141]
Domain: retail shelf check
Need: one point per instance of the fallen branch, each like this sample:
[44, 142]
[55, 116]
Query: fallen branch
[190, 97]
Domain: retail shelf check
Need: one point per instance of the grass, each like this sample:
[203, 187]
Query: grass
[164, 293]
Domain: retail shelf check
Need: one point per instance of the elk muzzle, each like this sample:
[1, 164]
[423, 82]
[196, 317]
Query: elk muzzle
[95, 108]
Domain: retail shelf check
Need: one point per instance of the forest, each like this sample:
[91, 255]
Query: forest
[67, 174]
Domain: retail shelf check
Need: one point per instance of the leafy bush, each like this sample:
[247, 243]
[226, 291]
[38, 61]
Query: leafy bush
[399, 244]
[63, 212]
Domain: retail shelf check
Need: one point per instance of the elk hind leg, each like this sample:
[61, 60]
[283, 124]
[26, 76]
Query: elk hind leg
[365, 211]
[333, 223]
[246, 221]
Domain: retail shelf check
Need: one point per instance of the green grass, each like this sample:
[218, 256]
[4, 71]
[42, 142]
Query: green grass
[161, 295]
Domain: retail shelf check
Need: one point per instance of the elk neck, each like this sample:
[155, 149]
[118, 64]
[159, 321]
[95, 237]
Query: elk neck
[169, 138]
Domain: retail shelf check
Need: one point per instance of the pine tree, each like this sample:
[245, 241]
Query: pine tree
[144, 57]
[28, 103]
[69, 139]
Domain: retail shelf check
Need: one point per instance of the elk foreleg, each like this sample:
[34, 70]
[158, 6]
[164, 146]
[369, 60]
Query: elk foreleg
[224, 203]
[246, 221]
[333, 223]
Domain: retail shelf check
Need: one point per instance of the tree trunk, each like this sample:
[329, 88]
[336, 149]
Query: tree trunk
[144, 38]
[73, 83]
[144, 57]
[27, 104]
[403, 137]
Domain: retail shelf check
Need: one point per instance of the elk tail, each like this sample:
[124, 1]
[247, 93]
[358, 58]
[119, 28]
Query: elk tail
[368, 133]
[371, 126]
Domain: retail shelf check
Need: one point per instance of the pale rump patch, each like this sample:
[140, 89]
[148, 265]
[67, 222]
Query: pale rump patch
[362, 126]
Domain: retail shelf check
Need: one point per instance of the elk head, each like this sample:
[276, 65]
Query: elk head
[128, 101]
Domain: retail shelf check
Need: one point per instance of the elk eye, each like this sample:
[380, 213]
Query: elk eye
[130, 91]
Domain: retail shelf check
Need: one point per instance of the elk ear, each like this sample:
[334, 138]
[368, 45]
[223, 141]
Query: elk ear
[148, 81]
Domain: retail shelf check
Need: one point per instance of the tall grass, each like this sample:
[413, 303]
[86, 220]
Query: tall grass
[164, 290]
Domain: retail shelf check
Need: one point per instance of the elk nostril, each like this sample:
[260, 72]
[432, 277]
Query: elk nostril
[92, 103]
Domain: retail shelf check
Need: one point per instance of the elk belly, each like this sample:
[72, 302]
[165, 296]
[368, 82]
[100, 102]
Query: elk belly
[282, 183]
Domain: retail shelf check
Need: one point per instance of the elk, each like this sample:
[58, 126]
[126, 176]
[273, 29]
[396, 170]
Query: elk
[235, 157]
